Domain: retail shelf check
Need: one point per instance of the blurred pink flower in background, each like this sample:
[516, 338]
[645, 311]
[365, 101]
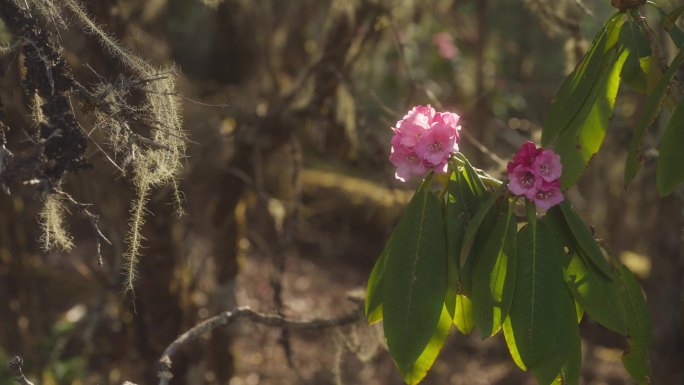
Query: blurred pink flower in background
[445, 45]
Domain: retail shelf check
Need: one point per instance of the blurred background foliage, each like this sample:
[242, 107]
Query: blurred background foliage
[289, 194]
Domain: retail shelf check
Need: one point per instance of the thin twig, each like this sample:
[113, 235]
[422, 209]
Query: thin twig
[401, 49]
[584, 8]
[149, 142]
[15, 364]
[484, 149]
[415, 85]
[571, 25]
[159, 126]
[5, 157]
[188, 99]
[661, 60]
[652, 40]
[88, 135]
[228, 317]
[113, 163]
[94, 221]
[106, 108]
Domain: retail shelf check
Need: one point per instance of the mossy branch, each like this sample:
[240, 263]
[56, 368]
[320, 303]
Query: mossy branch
[155, 160]
[51, 217]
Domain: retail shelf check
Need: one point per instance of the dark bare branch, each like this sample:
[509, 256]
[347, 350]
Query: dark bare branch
[94, 222]
[229, 317]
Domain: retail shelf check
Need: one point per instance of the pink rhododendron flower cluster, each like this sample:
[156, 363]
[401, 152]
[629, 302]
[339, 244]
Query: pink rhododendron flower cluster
[424, 140]
[535, 174]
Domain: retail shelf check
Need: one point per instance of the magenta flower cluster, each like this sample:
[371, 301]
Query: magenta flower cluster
[535, 174]
[424, 140]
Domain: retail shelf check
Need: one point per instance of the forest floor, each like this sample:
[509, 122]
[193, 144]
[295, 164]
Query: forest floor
[356, 354]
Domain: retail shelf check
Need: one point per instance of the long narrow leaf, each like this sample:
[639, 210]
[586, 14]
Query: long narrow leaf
[461, 205]
[562, 365]
[473, 180]
[578, 86]
[494, 276]
[648, 117]
[556, 220]
[670, 172]
[634, 40]
[583, 137]
[584, 239]
[415, 279]
[427, 358]
[637, 358]
[463, 318]
[373, 306]
[597, 294]
[512, 344]
[475, 239]
[534, 314]
[476, 221]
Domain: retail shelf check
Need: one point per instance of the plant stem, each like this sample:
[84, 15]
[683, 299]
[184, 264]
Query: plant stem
[640, 20]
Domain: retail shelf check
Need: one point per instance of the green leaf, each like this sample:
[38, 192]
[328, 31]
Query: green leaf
[463, 319]
[479, 226]
[556, 220]
[637, 358]
[584, 239]
[563, 364]
[583, 137]
[462, 203]
[415, 279]
[373, 306]
[473, 179]
[636, 43]
[580, 84]
[595, 293]
[648, 117]
[580, 311]
[649, 66]
[512, 343]
[478, 216]
[670, 172]
[581, 112]
[453, 273]
[535, 314]
[427, 358]
[476, 221]
[494, 276]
